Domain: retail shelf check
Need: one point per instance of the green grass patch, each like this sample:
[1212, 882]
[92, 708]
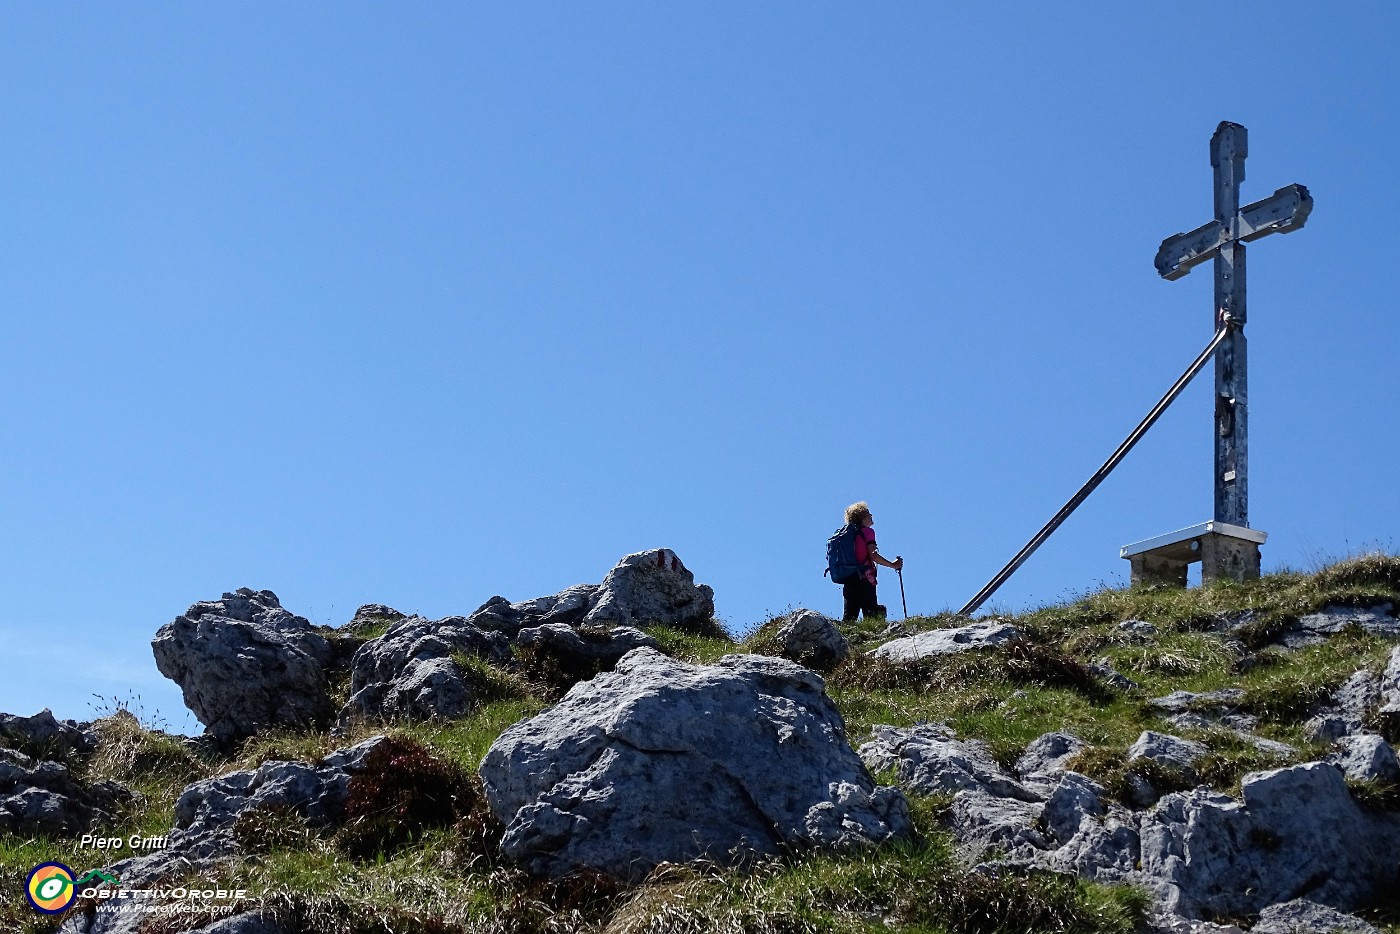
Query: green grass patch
[696, 648]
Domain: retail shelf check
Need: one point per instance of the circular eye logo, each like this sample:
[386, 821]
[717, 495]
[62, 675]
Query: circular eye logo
[50, 888]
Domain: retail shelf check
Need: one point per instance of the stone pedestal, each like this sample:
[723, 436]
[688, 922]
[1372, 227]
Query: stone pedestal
[1224, 550]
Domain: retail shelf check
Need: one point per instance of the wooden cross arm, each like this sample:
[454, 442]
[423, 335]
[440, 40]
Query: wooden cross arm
[1179, 252]
[1284, 211]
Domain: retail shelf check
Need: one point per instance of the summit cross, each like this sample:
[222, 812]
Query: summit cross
[1285, 211]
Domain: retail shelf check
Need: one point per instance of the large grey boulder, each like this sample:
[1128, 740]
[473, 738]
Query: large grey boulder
[978, 635]
[244, 663]
[662, 761]
[653, 587]
[928, 759]
[1075, 799]
[806, 637]
[1296, 830]
[409, 672]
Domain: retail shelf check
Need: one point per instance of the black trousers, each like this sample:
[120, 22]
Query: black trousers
[860, 598]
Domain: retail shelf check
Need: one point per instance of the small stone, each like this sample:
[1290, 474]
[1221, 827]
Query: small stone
[977, 635]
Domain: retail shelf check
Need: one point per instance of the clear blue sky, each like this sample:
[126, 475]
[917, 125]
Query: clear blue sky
[417, 304]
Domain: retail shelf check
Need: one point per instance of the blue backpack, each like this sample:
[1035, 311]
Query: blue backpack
[841, 561]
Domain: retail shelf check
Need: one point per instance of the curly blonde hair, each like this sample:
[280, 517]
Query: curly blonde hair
[857, 513]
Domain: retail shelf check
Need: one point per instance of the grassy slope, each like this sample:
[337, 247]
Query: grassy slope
[446, 880]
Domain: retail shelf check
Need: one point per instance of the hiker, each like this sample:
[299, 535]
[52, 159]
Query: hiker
[858, 588]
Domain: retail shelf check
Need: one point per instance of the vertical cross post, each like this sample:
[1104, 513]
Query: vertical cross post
[1224, 239]
[1228, 149]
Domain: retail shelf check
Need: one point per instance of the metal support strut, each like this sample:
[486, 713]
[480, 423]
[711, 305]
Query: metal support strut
[1226, 328]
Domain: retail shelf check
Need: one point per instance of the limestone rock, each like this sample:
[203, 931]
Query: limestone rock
[1366, 757]
[1351, 705]
[1105, 672]
[660, 760]
[1221, 701]
[371, 618]
[565, 655]
[1043, 762]
[806, 637]
[568, 607]
[1301, 916]
[1075, 799]
[1165, 749]
[1167, 923]
[1135, 630]
[565, 608]
[1315, 628]
[1296, 829]
[409, 673]
[43, 798]
[46, 737]
[984, 821]
[653, 587]
[1390, 687]
[1105, 850]
[978, 635]
[244, 663]
[928, 760]
[249, 922]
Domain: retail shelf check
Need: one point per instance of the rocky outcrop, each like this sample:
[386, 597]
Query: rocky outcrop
[409, 672]
[44, 736]
[204, 837]
[1316, 628]
[244, 663]
[567, 607]
[43, 797]
[315, 792]
[1295, 831]
[806, 637]
[1043, 761]
[370, 620]
[653, 587]
[661, 761]
[1352, 705]
[978, 635]
[928, 759]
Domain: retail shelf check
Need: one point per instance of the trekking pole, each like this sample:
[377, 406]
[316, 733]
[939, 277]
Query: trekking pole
[900, 572]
